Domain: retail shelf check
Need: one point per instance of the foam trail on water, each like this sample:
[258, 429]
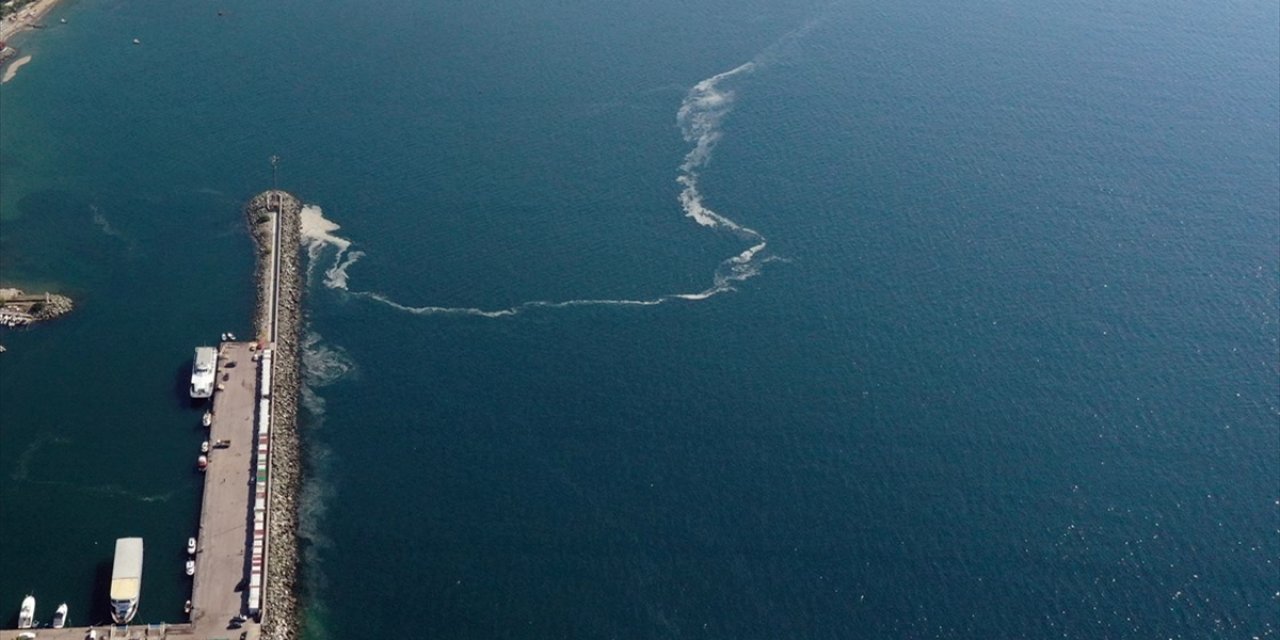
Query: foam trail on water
[509, 311]
[700, 116]
[317, 232]
[323, 364]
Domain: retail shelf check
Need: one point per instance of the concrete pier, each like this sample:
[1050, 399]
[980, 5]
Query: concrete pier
[130, 632]
[246, 545]
[223, 542]
[224, 539]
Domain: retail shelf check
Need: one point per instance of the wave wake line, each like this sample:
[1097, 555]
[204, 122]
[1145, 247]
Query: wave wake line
[700, 116]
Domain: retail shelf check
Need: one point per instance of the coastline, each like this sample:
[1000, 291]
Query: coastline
[12, 69]
[14, 24]
[20, 309]
[24, 19]
[280, 606]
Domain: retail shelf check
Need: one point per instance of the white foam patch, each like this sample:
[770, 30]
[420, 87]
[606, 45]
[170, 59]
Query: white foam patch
[315, 228]
[335, 277]
[104, 225]
[317, 233]
[323, 364]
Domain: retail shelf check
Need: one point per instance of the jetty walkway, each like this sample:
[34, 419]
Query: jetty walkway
[224, 542]
[246, 546]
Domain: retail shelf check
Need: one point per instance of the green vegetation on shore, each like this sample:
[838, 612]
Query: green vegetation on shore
[10, 7]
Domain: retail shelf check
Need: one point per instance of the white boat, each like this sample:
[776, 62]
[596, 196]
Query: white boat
[203, 372]
[207, 419]
[204, 447]
[191, 546]
[126, 579]
[202, 463]
[27, 615]
[60, 616]
[191, 567]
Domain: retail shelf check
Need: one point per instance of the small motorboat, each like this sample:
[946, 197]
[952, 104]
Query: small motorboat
[191, 546]
[202, 462]
[60, 616]
[191, 567]
[186, 608]
[207, 419]
[204, 447]
[137, 41]
[27, 615]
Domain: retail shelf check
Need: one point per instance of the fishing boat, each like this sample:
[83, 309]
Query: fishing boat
[60, 616]
[27, 615]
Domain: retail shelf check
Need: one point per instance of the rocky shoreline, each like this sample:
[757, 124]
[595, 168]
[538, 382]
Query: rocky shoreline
[280, 604]
[18, 309]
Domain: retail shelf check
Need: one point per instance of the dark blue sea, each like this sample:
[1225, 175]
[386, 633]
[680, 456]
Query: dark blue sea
[735, 320]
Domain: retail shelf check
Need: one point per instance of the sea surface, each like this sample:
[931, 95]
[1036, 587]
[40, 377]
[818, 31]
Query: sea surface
[751, 319]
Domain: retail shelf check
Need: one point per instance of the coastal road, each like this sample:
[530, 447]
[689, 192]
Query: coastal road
[275, 264]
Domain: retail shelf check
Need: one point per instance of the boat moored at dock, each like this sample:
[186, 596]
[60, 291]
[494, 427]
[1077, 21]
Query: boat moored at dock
[126, 579]
[203, 372]
[60, 616]
[27, 614]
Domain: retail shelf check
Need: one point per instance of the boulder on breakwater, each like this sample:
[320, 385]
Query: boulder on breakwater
[18, 309]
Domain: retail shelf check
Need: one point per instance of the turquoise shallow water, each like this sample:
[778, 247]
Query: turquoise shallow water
[1008, 368]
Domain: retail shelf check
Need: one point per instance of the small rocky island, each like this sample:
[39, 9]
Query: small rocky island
[19, 309]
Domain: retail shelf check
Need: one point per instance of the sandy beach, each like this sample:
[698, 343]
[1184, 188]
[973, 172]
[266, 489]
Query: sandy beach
[12, 70]
[29, 15]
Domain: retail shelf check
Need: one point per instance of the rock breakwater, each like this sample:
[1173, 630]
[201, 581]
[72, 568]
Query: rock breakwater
[18, 309]
[280, 606]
